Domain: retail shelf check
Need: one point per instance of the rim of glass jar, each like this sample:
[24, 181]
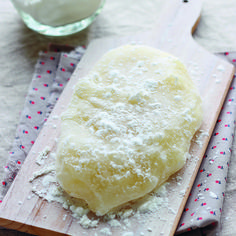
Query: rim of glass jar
[64, 30]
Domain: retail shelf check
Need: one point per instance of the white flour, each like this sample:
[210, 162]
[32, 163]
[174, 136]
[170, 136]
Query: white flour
[44, 184]
[57, 12]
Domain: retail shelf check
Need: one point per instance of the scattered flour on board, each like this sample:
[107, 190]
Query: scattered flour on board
[199, 139]
[42, 172]
[44, 185]
[42, 156]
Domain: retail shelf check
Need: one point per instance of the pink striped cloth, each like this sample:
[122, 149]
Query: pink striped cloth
[205, 203]
[52, 72]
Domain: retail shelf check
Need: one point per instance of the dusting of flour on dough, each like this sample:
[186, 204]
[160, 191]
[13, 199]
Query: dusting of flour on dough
[124, 113]
[48, 189]
[133, 115]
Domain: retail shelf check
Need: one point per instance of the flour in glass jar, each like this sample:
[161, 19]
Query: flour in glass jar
[57, 12]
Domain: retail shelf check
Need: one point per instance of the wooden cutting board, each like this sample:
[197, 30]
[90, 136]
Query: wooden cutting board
[212, 76]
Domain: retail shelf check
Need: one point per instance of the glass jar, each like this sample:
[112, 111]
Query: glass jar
[58, 17]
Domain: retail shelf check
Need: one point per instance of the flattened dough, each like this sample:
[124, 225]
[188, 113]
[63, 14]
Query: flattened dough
[128, 127]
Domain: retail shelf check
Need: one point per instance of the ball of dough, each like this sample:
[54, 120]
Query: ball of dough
[127, 128]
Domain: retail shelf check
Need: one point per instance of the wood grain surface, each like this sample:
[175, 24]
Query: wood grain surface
[212, 76]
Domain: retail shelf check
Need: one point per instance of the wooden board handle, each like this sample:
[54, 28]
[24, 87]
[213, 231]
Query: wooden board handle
[177, 22]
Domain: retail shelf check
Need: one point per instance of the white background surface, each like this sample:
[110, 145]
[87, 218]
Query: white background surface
[19, 49]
